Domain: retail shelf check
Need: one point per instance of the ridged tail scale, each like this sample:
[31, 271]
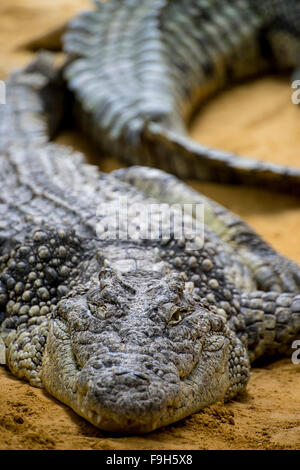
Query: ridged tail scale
[139, 68]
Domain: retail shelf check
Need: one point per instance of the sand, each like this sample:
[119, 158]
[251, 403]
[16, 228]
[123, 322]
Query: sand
[255, 119]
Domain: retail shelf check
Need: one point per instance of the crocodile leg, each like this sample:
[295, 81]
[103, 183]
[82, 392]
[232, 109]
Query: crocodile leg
[271, 323]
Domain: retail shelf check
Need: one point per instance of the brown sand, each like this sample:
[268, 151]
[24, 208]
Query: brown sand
[255, 119]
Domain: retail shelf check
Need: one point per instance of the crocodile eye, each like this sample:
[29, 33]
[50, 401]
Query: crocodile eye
[97, 311]
[175, 318]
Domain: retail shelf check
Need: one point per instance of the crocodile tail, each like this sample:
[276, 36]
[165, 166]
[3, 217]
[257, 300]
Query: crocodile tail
[187, 159]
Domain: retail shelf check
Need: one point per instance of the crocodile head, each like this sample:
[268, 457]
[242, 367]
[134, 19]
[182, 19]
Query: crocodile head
[136, 352]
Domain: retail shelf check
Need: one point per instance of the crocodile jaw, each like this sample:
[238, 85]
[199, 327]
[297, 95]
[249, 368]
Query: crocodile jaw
[144, 403]
[203, 387]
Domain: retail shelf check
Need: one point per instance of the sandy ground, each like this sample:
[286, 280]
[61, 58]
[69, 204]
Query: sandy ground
[256, 119]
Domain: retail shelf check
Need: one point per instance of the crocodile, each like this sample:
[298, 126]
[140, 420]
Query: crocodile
[132, 333]
[139, 69]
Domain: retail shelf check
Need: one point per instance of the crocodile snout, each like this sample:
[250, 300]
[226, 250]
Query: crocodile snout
[125, 400]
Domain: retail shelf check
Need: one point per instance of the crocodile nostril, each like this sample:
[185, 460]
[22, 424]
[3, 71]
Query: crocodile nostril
[142, 376]
[138, 376]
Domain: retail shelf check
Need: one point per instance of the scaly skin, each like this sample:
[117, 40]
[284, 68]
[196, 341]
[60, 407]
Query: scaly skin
[131, 334]
[138, 69]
